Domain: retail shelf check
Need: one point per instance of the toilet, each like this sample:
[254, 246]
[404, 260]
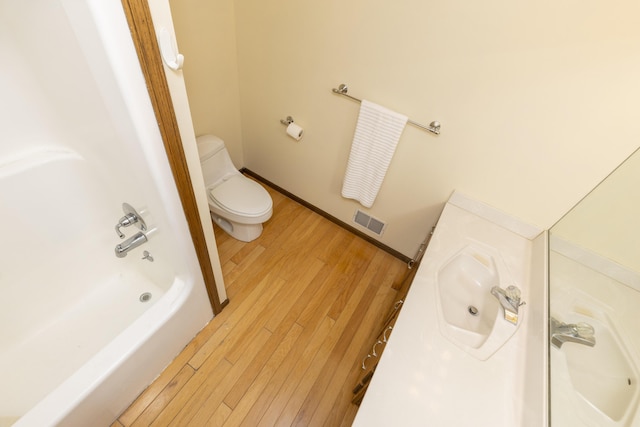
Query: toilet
[237, 204]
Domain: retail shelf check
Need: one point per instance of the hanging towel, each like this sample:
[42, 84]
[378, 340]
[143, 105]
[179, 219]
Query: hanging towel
[374, 142]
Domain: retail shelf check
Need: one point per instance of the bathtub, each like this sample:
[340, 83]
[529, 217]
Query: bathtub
[83, 331]
[429, 376]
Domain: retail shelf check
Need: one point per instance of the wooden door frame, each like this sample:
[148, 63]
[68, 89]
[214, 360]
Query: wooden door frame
[144, 38]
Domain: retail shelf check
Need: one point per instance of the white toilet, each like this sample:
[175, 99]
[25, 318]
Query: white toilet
[237, 204]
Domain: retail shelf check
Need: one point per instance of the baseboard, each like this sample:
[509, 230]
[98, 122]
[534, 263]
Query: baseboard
[331, 218]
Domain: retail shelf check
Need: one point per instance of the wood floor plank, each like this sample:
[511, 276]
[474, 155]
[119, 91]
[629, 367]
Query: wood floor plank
[333, 395]
[227, 269]
[199, 407]
[241, 320]
[296, 294]
[300, 406]
[260, 415]
[220, 416]
[306, 300]
[279, 223]
[241, 266]
[228, 249]
[236, 350]
[163, 399]
[360, 260]
[285, 315]
[350, 322]
[242, 405]
[341, 276]
[332, 249]
[184, 405]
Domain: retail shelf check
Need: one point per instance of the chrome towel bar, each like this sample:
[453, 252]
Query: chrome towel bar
[434, 127]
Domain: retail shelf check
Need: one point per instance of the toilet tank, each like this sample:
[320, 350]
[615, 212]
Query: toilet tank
[214, 158]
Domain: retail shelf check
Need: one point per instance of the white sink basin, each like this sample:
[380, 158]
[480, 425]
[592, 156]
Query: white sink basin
[469, 315]
[603, 377]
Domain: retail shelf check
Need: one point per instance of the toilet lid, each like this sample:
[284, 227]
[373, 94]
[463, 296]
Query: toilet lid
[242, 196]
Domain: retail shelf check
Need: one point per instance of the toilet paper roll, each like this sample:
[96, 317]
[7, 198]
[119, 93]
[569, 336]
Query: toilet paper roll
[295, 131]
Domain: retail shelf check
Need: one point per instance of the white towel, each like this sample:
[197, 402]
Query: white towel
[377, 133]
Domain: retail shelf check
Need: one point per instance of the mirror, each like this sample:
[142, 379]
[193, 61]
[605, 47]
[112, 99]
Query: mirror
[594, 305]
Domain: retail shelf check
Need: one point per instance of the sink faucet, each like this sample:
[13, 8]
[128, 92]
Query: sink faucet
[509, 300]
[131, 243]
[581, 333]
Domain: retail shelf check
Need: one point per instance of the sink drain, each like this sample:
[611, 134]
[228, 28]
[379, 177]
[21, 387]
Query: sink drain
[472, 310]
[145, 297]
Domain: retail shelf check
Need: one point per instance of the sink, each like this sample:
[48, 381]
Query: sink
[469, 316]
[603, 377]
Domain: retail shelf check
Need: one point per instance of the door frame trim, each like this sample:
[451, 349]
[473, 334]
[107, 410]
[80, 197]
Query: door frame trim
[144, 38]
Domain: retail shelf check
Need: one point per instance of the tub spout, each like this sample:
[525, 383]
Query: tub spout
[131, 243]
[580, 333]
[509, 300]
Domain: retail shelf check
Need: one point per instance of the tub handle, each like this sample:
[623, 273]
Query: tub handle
[130, 217]
[125, 221]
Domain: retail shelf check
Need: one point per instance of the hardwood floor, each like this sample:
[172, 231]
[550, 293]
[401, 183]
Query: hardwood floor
[306, 299]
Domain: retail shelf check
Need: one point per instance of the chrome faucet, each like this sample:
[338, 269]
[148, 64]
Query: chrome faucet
[580, 333]
[131, 243]
[509, 300]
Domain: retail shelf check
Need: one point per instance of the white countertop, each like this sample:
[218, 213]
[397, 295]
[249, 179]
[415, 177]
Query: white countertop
[424, 379]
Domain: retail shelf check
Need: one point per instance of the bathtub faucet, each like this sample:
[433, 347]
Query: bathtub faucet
[581, 333]
[509, 300]
[131, 243]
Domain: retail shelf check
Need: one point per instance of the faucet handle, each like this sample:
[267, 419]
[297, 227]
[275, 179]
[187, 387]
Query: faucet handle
[125, 221]
[130, 217]
[513, 294]
[584, 330]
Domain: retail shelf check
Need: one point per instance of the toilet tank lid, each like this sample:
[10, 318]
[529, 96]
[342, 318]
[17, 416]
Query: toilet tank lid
[208, 145]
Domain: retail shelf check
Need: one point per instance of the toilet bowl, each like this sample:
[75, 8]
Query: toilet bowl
[237, 204]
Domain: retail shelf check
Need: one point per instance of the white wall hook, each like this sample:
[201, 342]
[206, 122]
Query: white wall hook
[168, 50]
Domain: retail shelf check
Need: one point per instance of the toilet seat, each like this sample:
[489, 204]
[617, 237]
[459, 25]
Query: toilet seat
[242, 196]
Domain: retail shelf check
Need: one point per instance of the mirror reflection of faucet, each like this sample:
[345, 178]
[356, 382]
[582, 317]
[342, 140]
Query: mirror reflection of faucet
[580, 333]
[509, 300]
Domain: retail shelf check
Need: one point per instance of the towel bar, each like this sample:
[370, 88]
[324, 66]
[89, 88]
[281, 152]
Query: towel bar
[434, 127]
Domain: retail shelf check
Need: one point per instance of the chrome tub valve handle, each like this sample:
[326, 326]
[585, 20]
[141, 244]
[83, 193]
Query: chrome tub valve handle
[130, 217]
[125, 221]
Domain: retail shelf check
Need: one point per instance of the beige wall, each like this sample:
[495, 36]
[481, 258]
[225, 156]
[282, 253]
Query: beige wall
[607, 221]
[538, 101]
[205, 31]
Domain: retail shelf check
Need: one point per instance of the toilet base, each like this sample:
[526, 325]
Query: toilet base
[242, 232]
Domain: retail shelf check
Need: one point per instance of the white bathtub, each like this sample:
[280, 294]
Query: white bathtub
[77, 344]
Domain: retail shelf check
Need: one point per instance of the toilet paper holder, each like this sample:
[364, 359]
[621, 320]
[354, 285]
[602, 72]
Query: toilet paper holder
[293, 130]
[287, 121]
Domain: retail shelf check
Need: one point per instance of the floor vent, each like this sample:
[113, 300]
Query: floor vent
[369, 222]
